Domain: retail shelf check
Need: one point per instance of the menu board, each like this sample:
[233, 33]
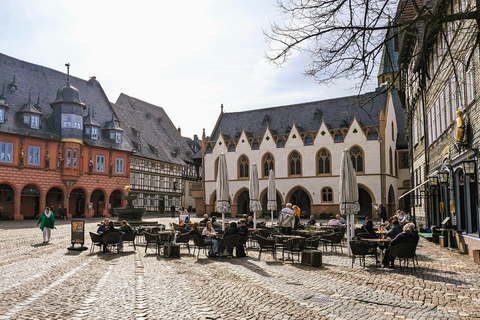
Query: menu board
[78, 231]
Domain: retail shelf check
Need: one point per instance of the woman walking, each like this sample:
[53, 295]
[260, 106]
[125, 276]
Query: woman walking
[47, 223]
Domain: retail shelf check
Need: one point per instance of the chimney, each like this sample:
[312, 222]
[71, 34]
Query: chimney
[179, 130]
[195, 138]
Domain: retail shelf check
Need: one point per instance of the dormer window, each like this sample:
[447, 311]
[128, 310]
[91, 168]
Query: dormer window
[72, 121]
[26, 119]
[2, 115]
[116, 136]
[35, 122]
[94, 135]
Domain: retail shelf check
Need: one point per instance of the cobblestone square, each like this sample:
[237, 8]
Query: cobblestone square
[46, 281]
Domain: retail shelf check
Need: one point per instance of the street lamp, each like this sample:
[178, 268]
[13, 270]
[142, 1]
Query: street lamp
[443, 177]
[433, 181]
[422, 188]
[469, 167]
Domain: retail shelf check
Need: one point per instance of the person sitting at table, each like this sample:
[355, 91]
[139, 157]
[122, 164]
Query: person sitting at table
[407, 236]
[250, 222]
[243, 232]
[312, 221]
[104, 226]
[186, 224]
[406, 218]
[334, 222]
[231, 230]
[296, 215]
[368, 226]
[215, 223]
[203, 223]
[111, 229]
[209, 235]
[286, 219]
[395, 231]
[125, 228]
[339, 218]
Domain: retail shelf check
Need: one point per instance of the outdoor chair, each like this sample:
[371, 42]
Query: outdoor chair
[111, 240]
[184, 238]
[230, 242]
[334, 240]
[404, 252]
[292, 246]
[266, 244]
[372, 245]
[130, 237]
[359, 248]
[97, 240]
[312, 243]
[200, 243]
[151, 239]
[279, 241]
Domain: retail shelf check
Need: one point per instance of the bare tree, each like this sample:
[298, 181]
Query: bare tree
[345, 38]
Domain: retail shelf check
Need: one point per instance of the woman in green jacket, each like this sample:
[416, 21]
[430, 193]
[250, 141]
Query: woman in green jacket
[46, 223]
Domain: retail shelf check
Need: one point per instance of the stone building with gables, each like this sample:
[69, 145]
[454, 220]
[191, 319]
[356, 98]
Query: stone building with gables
[60, 143]
[303, 144]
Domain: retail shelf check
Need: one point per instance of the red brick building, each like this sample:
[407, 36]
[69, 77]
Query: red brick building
[60, 144]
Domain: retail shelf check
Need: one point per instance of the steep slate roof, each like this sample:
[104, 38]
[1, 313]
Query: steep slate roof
[388, 63]
[307, 116]
[155, 129]
[47, 82]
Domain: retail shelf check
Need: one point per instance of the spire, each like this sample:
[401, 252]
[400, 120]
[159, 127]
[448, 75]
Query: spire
[13, 84]
[68, 70]
[221, 108]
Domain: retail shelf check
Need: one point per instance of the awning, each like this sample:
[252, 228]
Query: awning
[403, 195]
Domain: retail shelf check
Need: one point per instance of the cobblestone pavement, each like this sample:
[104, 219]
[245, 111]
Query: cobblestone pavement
[46, 281]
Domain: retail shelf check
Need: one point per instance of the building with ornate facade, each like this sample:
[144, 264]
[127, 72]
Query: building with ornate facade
[440, 83]
[60, 143]
[303, 144]
[161, 165]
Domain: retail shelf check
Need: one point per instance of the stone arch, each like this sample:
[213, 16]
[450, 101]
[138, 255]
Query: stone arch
[264, 199]
[30, 204]
[8, 195]
[115, 200]
[391, 201]
[365, 199]
[301, 197]
[77, 199]
[97, 199]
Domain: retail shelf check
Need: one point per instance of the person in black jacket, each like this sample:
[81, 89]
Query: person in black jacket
[243, 232]
[231, 230]
[407, 236]
[368, 226]
[395, 231]
[111, 229]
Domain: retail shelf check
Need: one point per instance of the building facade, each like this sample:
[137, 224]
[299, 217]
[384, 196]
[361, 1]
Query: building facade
[161, 165]
[60, 144]
[440, 83]
[303, 144]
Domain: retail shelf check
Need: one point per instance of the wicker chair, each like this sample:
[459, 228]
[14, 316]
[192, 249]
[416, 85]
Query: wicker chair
[292, 246]
[151, 239]
[230, 242]
[359, 248]
[111, 240]
[334, 240]
[312, 243]
[266, 244]
[97, 240]
[199, 243]
[184, 238]
[130, 237]
[403, 252]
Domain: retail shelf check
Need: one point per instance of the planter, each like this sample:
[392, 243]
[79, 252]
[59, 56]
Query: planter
[312, 258]
[476, 256]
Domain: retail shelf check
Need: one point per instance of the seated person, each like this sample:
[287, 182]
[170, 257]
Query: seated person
[104, 226]
[186, 224]
[312, 221]
[250, 222]
[406, 218]
[209, 233]
[368, 226]
[125, 228]
[243, 232]
[215, 223]
[334, 222]
[395, 231]
[339, 218]
[203, 223]
[111, 229]
[231, 230]
[407, 236]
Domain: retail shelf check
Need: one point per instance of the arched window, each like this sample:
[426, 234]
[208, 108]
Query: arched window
[357, 158]
[268, 164]
[215, 168]
[295, 162]
[324, 162]
[243, 167]
[391, 161]
[327, 194]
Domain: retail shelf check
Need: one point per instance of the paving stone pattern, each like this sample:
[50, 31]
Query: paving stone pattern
[46, 281]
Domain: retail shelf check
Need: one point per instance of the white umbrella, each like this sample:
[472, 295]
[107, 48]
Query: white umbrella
[254, 194]
[272, 194]
[348, 194]
[223, 205]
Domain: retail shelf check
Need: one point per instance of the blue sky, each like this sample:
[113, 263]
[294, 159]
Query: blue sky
[185, 56]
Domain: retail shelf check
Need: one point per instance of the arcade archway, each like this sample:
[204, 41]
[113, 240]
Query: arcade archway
[30, 201]
[76, 203]
[299, 197]
[98, 202]
[7, 201]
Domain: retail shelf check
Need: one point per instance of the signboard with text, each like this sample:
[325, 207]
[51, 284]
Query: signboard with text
[78, 231]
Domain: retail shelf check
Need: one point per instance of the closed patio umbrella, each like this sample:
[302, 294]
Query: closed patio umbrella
[254, 194]
[348, 194]
[223, 205]
[271, 194]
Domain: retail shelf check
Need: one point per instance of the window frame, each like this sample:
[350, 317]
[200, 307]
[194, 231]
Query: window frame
[99, 165]
[119, 163]
[243, 166]
[289, 163]
[269, 163]
[324, 158]
[355, 163]
[4, 151]
[327, 194]
[33, 159]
